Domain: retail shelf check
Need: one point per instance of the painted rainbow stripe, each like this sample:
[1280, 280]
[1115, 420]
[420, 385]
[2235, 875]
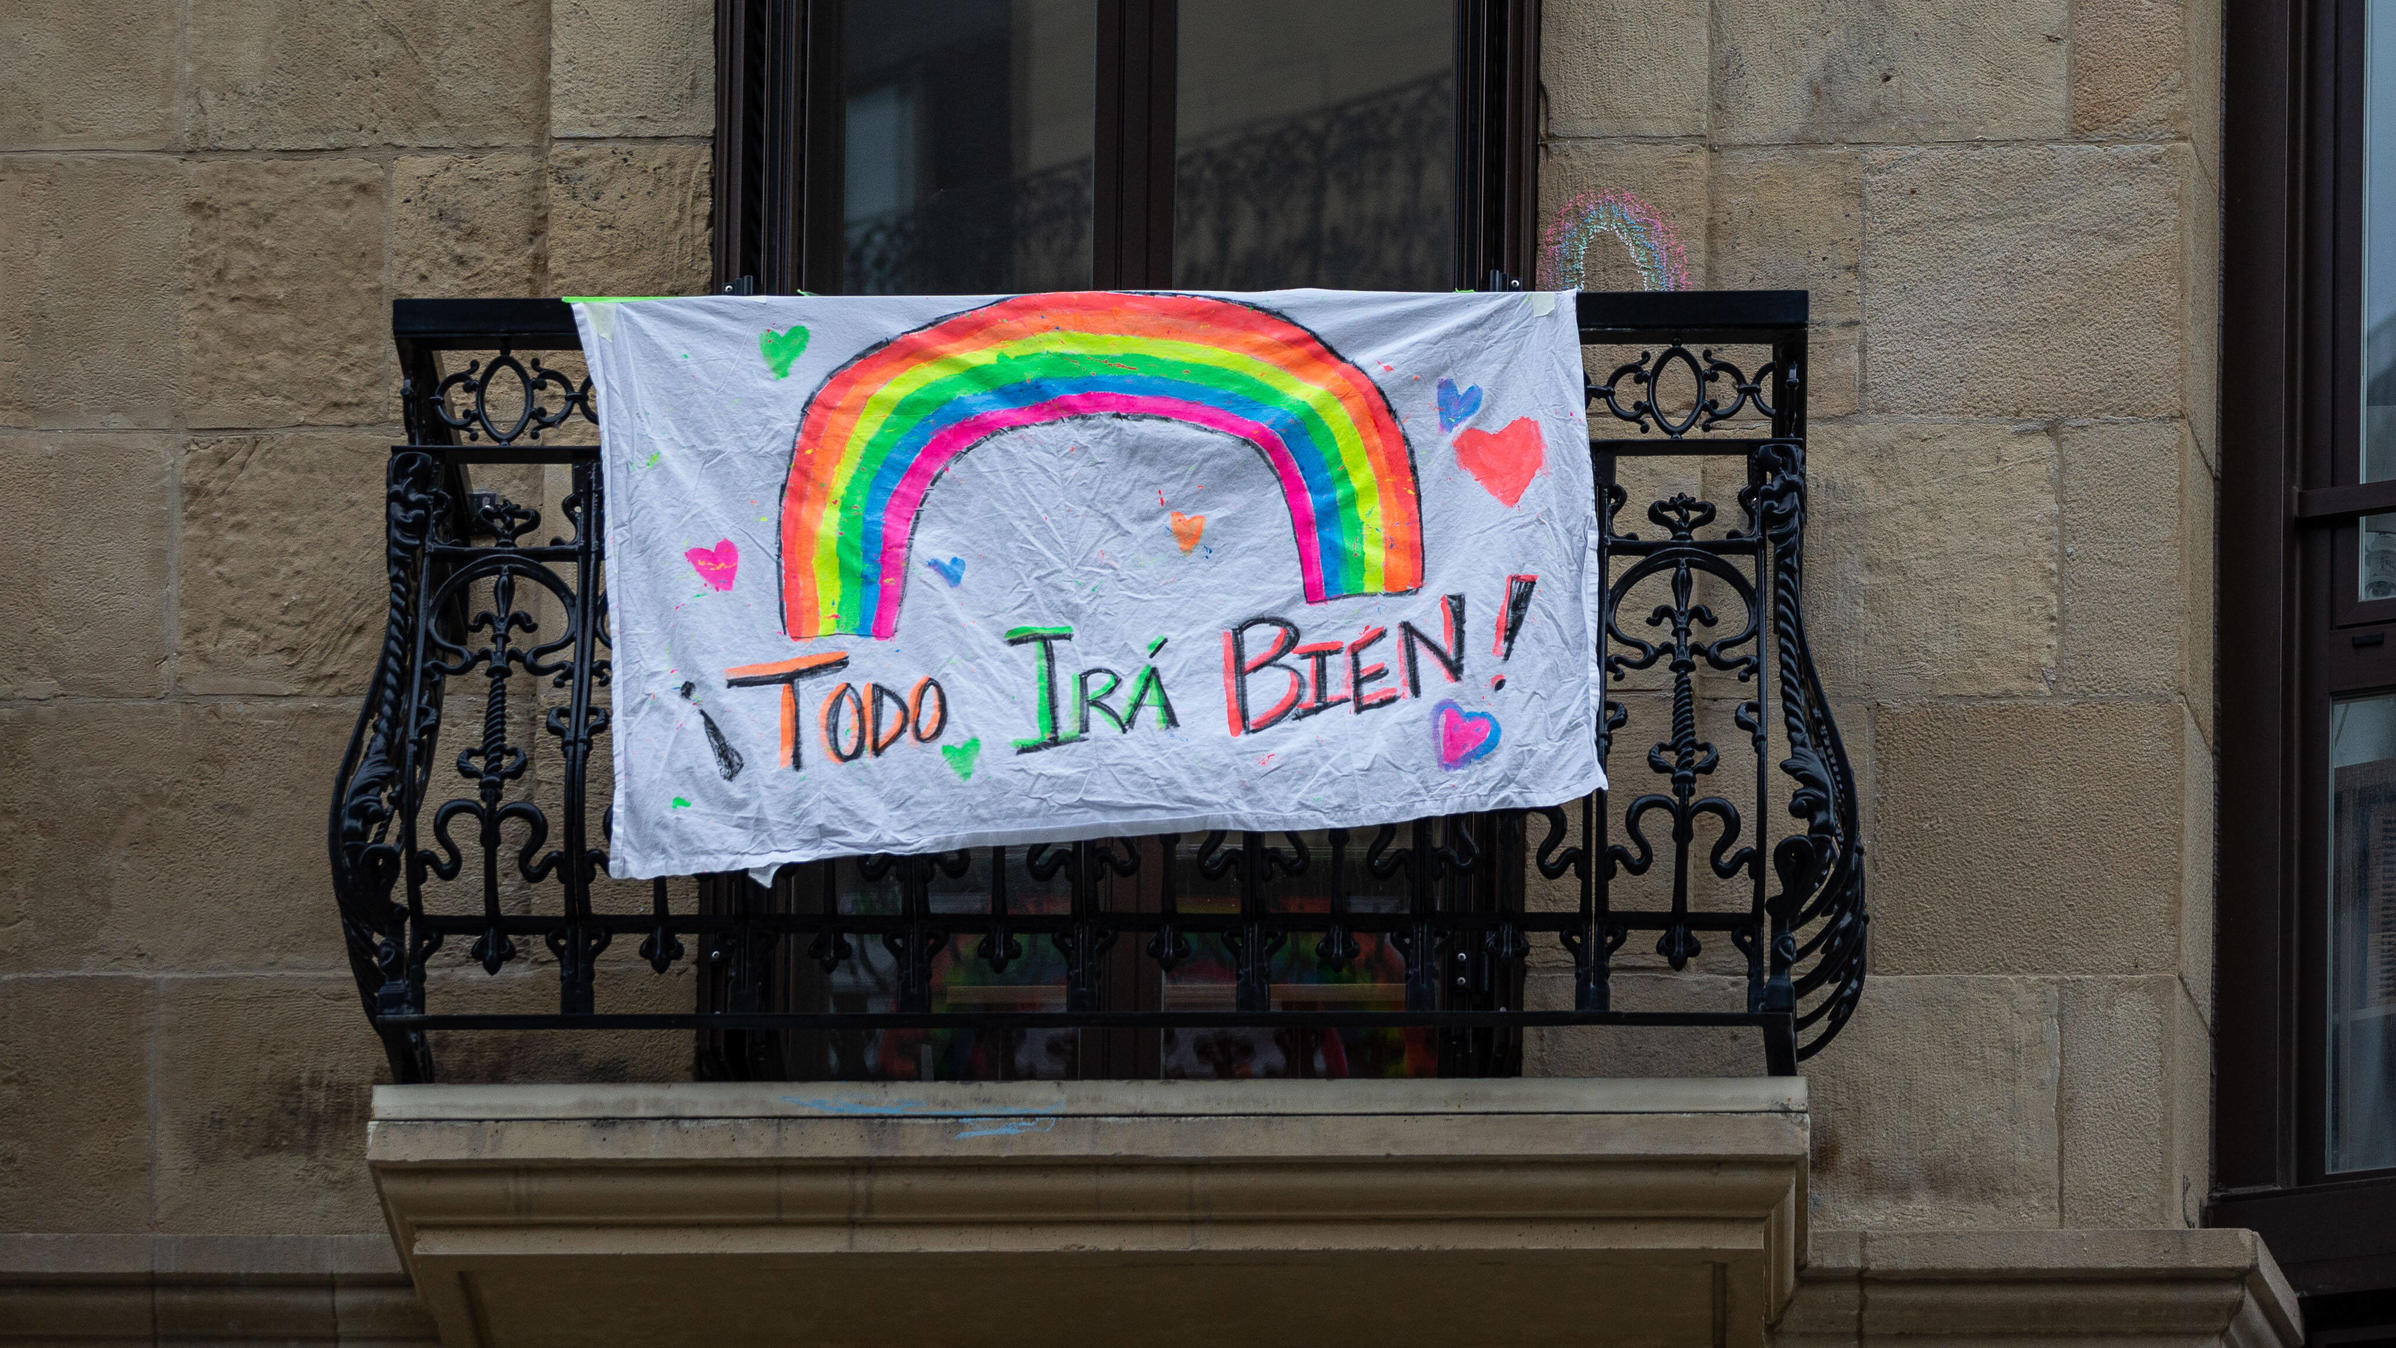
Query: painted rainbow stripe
[1655, 250]
[884, 426]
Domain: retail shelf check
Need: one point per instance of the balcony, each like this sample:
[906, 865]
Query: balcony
[465, 839]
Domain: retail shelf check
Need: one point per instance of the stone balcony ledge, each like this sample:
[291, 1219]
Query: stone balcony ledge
[1255, 1212]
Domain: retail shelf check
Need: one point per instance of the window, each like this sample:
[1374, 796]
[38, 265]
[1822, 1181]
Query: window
[2305, 1004]
[981, 146]
[978, 146]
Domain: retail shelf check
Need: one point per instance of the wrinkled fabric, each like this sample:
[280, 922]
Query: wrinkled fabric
[912, 573]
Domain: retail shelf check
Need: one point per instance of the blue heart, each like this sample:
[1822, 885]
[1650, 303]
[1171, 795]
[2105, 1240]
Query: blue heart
[952, 570]
[1455, 408]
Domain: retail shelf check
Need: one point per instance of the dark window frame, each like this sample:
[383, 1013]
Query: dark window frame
[777, 131]
[2292, 635]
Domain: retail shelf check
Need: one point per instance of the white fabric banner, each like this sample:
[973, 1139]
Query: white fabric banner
[1291, 560]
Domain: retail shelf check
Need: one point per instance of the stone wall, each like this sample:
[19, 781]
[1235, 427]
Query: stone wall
[2005, 214]
[205, 210]
[2007, 217]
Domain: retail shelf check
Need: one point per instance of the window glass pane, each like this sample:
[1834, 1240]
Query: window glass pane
[966, 148]
[2378, 579]
[1024, 973]
[2362, 934]
[1370, 977]
[1314, 144]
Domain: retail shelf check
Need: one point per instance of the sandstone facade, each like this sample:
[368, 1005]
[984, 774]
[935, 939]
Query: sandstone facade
[2006, 214]
[204, 216]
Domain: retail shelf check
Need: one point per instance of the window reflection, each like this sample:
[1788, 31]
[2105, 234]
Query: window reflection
[966, 147]
[2362, 934]
[1374, 979]
[1314, 145]
[2378, 551]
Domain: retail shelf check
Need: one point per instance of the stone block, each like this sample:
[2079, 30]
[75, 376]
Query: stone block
[1624, 68]
[628, 220]
[2029, 838]
[2199, 496]
[328, 74]
[1936, 1107]
[624, 984]
[2023, 281]
[167, 836]
[2125, 624]
[2201, 321]
[1667, 177]
[2203, 25]
[264, 1085]
[102, 229]
[2192, 1109]
[83, 526]
[284, 588]
[626, 68]
[1792, 219]
[1827, 1311]
[2126, 68]
[2200, 814]
[2151, 1287]
[74, 1103]
[466, 224]
[295, 1311]
[106, 75]
[284, 321]
[1642, 1050]
[1888, 70]
[2115, 1102]
[1931, 551]
[381, 1312]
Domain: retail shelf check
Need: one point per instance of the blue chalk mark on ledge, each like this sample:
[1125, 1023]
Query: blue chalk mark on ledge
[1005, 1127]
[991, 1125]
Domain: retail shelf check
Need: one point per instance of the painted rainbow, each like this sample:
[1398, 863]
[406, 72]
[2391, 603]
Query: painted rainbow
[884, 426]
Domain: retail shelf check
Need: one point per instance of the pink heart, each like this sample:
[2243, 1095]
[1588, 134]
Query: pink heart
[1464, 736]
[1504, 461]
[717, 565]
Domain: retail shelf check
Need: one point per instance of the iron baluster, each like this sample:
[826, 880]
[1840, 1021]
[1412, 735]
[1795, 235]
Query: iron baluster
[998, 947]
[1168, 946]
[1338, 948]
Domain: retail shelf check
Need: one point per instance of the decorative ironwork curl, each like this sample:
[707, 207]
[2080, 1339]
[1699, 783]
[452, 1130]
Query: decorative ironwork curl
[462, 400]
[1703, 409]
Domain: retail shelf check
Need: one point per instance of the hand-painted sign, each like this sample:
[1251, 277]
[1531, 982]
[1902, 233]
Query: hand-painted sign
[912, 573]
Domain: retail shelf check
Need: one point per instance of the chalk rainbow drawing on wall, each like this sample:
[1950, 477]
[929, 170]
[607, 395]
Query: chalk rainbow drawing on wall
[1655, 250]
[884, 427]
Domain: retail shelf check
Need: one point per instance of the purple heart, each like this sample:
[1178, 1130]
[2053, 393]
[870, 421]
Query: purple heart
[1456, 407]
[1463, 736]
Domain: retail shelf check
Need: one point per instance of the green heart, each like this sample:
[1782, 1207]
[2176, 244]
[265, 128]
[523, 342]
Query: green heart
[781, 348]
[961, 757]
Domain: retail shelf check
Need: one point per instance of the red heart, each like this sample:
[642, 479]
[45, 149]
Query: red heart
[717, 565]
[1503, 461]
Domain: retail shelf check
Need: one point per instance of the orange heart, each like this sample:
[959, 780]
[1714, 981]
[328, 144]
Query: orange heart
[1186, 529]
[1504, 461]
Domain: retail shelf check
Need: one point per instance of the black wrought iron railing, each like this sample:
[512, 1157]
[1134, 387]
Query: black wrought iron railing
[468, 827]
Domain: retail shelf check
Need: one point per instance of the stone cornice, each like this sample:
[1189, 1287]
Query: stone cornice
[1076, 1205]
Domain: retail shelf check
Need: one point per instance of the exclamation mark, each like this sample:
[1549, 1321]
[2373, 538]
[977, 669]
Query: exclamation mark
[1510, 617]
[727, 759]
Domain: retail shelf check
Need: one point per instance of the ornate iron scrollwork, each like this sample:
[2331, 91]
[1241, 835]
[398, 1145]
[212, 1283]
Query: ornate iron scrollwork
[488, 836]
[1701, 409]
[533, 382]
